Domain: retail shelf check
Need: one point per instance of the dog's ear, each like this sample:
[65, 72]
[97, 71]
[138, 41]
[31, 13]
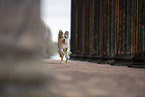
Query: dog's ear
[60, 34]
[66, 34]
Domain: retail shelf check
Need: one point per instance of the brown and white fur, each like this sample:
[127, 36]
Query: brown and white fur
[63, 45]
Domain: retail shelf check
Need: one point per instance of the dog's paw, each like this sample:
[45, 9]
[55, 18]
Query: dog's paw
[61, 62]
[66, 60]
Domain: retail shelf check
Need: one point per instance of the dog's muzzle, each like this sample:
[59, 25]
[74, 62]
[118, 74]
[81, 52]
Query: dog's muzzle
[63, 41]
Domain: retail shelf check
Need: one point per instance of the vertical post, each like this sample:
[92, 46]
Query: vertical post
[113, 27]
[108, 35]
[132, 27]
[90, 28]
[117, 27]
[143, 26]
[136, 28]
[96, 29]
[139, 54]
[73, 26]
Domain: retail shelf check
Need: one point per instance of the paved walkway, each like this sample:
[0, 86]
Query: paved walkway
[83, 79]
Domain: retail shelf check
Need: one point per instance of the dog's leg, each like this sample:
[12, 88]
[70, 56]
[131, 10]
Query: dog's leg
[61, 55]
[66, 56]
[61, 58]
[69, 51]
[66, 60]
[62, 51]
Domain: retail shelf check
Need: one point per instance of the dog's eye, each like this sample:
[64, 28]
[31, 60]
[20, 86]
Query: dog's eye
[60, 36]
[66, 36]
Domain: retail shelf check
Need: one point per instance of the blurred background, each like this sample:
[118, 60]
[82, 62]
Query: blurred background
[56, 15]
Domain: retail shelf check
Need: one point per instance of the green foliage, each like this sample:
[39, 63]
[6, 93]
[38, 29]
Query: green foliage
[49, 49]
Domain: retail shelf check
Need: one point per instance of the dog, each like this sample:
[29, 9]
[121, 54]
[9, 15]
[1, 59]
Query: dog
[63, 45]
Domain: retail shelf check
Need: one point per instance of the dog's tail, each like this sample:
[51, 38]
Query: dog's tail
[70, 53]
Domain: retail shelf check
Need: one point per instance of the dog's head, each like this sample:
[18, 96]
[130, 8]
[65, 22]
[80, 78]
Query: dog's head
[63, 37]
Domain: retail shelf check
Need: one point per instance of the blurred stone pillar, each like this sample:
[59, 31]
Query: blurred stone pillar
[21, 32]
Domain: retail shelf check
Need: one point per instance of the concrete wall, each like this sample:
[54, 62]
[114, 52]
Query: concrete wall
[21, 38]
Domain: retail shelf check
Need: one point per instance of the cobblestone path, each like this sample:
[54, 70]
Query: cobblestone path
[84, 79]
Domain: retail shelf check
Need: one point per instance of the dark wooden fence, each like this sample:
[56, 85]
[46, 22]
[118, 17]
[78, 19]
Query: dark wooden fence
[110, 31]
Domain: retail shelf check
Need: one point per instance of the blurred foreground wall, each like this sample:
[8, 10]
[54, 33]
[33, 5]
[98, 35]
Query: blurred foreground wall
[20, 27]
[21, 40]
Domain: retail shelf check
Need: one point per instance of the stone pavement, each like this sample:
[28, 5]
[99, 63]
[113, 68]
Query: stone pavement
[84, 79]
